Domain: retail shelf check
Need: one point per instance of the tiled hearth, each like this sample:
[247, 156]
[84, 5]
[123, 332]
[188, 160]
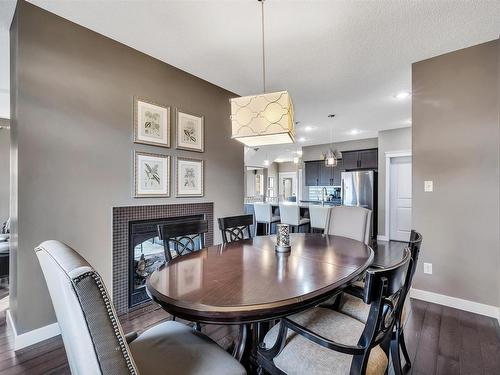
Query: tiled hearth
[122, 216]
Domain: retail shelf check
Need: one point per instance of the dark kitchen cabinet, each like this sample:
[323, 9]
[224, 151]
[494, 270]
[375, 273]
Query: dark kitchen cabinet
[312, 173]
[363, 159]
[368, 159]
[350, 159]
[325, 175]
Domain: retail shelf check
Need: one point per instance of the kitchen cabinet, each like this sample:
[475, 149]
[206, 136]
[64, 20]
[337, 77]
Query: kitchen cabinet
[312, 173]
[325, 175]
[362, 159]
[337, 173]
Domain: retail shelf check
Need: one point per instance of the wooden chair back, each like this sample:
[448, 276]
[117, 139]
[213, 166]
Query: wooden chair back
[182, 238]
[235, 228]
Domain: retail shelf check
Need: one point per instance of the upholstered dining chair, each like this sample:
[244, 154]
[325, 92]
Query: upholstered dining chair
[264, 214]
[290, 214]
[351, 303]
[182, 238]
[324, 341]
[235, 228]
[319, 216]
[350, 221]
[93, 337]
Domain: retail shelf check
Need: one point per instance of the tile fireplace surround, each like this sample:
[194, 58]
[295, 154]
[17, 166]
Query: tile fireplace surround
[121, 218]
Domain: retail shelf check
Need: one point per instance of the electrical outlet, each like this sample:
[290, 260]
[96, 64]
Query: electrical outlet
[428, 268]
[428, 186]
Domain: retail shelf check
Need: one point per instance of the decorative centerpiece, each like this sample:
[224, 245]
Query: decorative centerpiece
[282, 238]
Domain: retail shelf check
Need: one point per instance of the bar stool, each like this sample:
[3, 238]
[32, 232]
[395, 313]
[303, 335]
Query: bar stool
[264, 214]
[290, 214]
[319, 216]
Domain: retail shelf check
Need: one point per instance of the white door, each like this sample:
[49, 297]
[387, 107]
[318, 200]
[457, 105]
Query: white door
[400, 198]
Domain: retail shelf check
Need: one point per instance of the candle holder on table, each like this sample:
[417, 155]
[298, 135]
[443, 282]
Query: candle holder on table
[282, 238]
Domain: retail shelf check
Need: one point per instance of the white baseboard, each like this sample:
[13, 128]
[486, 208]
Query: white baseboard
[382, 238]
[457, 303]
[32, 337]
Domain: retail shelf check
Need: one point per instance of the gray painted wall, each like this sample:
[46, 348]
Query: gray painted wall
[73, 110]
[4, 170]
[456, 141]
[388, 141]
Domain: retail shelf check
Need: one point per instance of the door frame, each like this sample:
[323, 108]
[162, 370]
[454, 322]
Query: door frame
[294, 176]
[388, 156]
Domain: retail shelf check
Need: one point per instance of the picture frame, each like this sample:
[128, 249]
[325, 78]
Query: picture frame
[189, 177]
[151, 175]
[190, 131]
[151, 123]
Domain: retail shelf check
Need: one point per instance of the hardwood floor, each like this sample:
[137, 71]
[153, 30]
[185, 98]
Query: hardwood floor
[441, 341]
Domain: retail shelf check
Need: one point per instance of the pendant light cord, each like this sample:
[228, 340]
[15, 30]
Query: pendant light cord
[263, 48]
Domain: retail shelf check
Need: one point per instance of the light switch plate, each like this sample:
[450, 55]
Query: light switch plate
[428, 186]
[428, 268]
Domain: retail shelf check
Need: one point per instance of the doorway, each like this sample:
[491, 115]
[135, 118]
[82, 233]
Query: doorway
[400, 198]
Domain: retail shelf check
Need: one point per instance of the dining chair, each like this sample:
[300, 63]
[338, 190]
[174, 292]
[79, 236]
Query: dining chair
[264, 214]
[318, 216]
[324, 341]
[351, 303]
[350, 221]
[94, 340]
[290, 214]
[235, 228]
[185, 237]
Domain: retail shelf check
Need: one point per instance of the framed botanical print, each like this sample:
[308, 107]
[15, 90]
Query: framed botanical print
[190, 132]
[189, 177]
[151, 175]
[151, 123]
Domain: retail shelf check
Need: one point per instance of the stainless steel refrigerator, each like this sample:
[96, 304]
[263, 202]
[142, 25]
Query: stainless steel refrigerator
[359, 188]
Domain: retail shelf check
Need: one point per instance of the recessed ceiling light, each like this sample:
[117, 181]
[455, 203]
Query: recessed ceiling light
[402, 95]
[308, 128]
[302, 139]
[354, 132]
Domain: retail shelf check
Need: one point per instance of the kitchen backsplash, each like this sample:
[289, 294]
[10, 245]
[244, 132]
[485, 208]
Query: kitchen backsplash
[315, 191]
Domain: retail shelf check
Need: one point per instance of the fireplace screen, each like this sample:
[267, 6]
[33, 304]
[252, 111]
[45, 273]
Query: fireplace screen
[146, 254]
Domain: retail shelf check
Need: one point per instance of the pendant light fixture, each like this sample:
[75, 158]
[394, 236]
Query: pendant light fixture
[264, 119]
[330, 158]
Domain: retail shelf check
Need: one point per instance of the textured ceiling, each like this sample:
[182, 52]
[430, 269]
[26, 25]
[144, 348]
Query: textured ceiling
[342, 57]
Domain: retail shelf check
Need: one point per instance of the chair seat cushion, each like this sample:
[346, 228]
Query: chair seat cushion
[357, 309]
[303, 221]
[174, 348]
[302, 356]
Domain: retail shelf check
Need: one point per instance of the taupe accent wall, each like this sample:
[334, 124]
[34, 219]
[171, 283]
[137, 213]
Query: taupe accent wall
[72, 104]
[388, 141]
[456, 141]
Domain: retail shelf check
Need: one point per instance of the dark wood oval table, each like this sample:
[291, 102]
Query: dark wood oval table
[247, 281]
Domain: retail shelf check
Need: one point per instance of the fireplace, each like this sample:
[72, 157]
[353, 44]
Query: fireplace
[146, 253]
[135, 237]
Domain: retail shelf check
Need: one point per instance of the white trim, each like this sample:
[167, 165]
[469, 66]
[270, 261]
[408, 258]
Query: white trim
[388, 156]
[457, 303]
[32, 337]
[382, 238]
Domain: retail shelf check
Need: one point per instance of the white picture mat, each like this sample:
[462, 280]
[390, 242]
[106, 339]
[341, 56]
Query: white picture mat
[189, 183]
[197, 122]
[164, 113]
[163, 172]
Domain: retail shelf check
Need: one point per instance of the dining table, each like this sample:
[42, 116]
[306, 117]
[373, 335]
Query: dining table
[248, 283]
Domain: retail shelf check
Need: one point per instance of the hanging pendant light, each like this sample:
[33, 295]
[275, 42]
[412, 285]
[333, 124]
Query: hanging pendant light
[330, 158]
[264, 119]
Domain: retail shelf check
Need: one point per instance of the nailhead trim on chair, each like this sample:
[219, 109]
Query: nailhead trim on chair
[112, 317]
